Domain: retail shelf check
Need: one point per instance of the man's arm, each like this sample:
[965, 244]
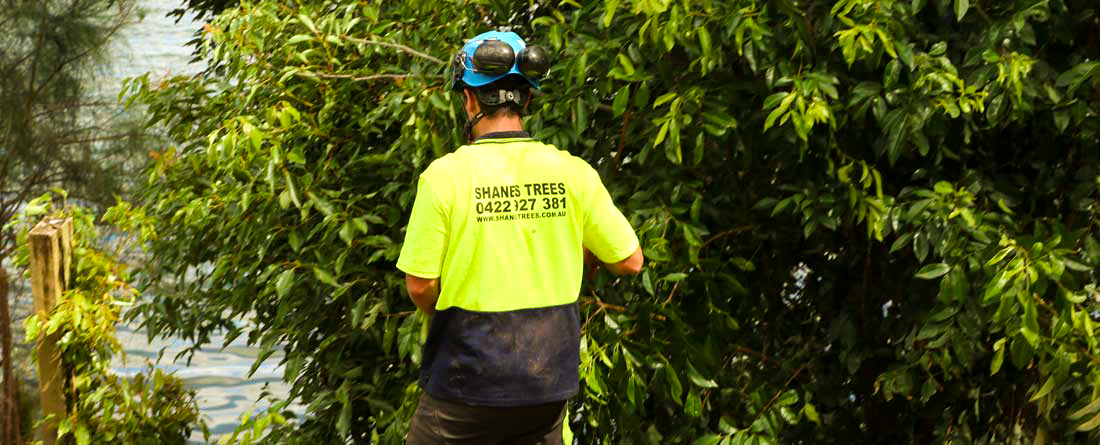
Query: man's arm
[632, 265]
[423, 292]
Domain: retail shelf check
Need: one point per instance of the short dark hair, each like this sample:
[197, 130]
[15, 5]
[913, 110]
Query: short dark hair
[487, 93]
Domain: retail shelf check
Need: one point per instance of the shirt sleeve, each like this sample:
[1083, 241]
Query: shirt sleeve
[607, 233]
[425, 236]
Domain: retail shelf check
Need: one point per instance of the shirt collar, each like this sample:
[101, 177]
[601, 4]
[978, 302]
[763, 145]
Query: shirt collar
[503, 135]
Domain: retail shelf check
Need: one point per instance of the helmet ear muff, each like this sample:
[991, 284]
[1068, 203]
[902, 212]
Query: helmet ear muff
[494, 57]
[533, 62]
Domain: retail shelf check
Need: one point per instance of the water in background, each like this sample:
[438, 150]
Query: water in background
[157, 44]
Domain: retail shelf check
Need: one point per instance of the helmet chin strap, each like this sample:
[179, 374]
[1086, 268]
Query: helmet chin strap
[470, 125]
[494, 98]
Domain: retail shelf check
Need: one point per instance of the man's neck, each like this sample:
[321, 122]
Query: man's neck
[497, 124]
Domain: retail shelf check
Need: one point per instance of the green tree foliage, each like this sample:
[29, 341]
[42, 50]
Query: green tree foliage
[54, 130]
[867, 221]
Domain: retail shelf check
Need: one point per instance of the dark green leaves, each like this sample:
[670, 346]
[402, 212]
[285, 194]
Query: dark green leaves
[932, 271]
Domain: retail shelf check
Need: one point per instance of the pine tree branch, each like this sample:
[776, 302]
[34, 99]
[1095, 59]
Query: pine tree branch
[91, 139]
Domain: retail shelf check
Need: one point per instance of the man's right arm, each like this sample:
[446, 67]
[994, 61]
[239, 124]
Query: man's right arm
[607, 233]
[632, 265]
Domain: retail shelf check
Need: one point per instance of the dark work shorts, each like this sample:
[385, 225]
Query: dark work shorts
[440, 422]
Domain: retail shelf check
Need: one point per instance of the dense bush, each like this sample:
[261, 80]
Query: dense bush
[101, 407]
[867, 221]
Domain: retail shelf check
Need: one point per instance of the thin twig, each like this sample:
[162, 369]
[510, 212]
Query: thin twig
[112, 137]
[618, 158]
[778, 393]
[763, 357]
[397, 46]
[730, 232]
[672, 293]
[614, 307]
[355, 78]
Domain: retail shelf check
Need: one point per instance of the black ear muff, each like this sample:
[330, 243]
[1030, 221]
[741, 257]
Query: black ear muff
[494, 57]
[534, 62]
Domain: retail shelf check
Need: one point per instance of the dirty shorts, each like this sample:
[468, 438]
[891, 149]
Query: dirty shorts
[440, 422]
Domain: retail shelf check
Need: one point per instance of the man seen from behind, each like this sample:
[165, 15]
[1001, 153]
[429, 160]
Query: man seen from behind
[494, 252]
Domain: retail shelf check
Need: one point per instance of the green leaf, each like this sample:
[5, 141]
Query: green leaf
[663, 99]
[299, 39]
[960, 9]
[893, 72]
[661, 132]
[628, 66]
[811, 413]
[307, 21]
[999, 256]
[704, 41]
[673, 149]
[1044, 390]
[31, 327]
[709, 439]
[674, 277]
[592, 379]
[322, 204]
[609, 7]
[675, 390]
[347, 232]
[284, 282]
[81, 434]
[743, 264]
[295, 240]
[290, 187]
[698, 379]
[1000, 280]
[1021, 352]
[325, 277]
[257, 138]
[1075, 265]
[647, 281]
[1090, 425]
[932, 271]
[622, 98]
[693, 406]
[1092, 407]
[296, 155]
[343, 424]
[896, 129]
[789, 397]
[998, 356]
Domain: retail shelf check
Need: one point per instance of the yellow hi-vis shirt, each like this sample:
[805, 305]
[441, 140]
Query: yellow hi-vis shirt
[503, 224]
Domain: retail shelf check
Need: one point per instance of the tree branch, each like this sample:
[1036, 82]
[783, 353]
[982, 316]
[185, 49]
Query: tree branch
[779, 393]
[399, 46]
[112, 137]
[355, 78]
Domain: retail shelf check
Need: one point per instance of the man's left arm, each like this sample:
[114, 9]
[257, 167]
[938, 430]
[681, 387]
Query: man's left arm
[424, 292]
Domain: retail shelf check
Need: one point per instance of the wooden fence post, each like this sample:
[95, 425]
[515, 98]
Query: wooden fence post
[9, 410]
[51, 252]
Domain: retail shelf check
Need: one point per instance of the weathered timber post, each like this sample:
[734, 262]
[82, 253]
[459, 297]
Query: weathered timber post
[9, 410]
[51, 253]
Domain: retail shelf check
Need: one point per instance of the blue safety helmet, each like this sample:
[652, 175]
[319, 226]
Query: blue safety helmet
[494, 55]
